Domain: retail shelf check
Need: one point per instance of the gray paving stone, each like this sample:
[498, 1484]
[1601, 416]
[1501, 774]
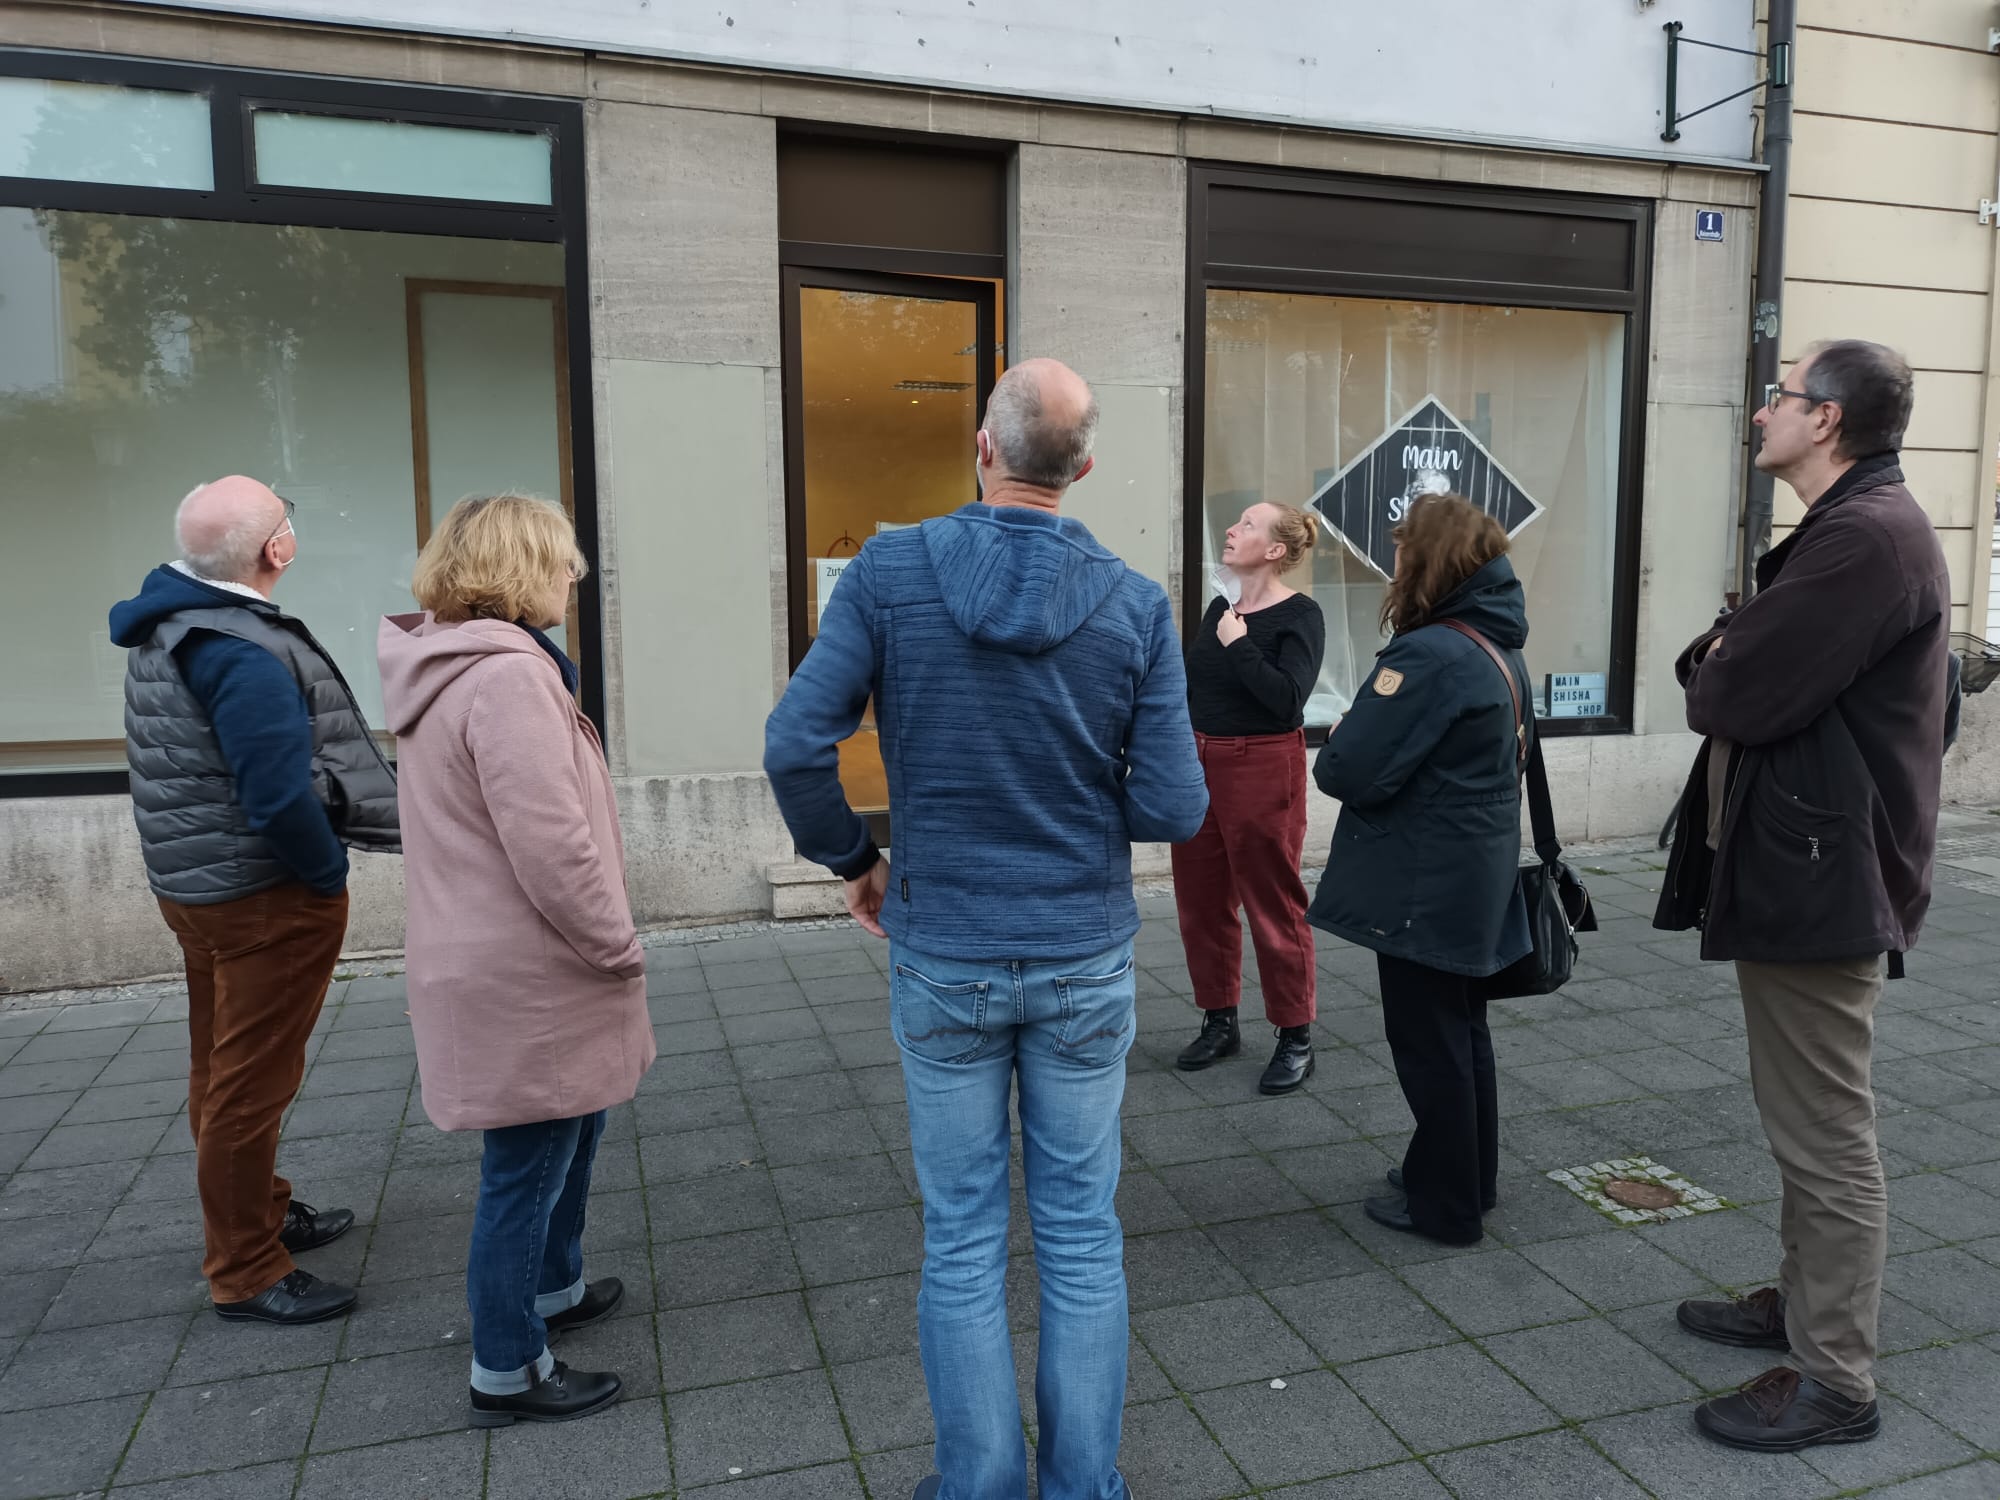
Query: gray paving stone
[61, 1450]
[215, 1350]
[1166, 1452]
[740, 1198]
[1579, 1081]
[58, 1239]
[14, 1148]
[1934, 1140]
[807, 1094]
[127, 1101]
[141, 1067]
[1343, 1173]
[450, 1466]
[1231, 1340]
[1238, 1188]
[1943, 1204]
[86, 1364]
[715, 1267]
[1312, 1428]
[21, 1079]
[35, 1113]
[1166, 1140]
[859, 1247]
[712, 1108]
[885, 1403]
[1549, 1466]
[1909, 1443]
[53, 1046]
[1951, 1385]
[1404, 1481]
[1979, 1481]
[259, 1482]
[757, 1427]
[120, 1291]
[1361, 1317]
[1491, 1292]
[823, 1190]
[1665, 1453]
[1589, 1369]
[419, 1313]
[361, 1076]
[609, 1456]
[1732, 1249]
[740, 1340]
[797, 1140]
[1950, 1285]
[84, 1145]
[191, 1429]
[371, 1401]
[1145, 1206]
[1288, 1249]
[1446, 1397]
[136, 1229]
[1180, 1266]
[859, 1320]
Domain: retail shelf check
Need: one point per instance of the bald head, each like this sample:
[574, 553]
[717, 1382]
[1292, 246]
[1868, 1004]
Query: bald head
[1042, 420]
[222, 526]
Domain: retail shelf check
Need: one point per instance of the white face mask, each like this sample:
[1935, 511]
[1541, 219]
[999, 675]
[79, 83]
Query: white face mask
[286, 530]
[1228, 584]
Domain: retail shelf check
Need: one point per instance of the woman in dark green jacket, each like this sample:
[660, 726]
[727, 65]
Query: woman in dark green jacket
[1424, 856]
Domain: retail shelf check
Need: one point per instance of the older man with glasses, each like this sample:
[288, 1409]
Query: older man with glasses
[252, 771]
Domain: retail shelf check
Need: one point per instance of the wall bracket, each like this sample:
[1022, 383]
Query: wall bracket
[1777, 75]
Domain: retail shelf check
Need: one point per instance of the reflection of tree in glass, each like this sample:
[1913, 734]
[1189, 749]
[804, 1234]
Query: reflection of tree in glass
[85, 133]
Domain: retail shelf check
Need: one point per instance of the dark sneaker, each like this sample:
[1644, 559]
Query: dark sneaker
[1782, 1411]
[306, 1228]
[600, 1301]
[563, 1397]
[300, 1297]
[1290, 1066]
[1393, 1212]
[1219, 1039]
[1753, 1322]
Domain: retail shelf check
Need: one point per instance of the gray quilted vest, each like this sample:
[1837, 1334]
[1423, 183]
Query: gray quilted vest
[199, 848]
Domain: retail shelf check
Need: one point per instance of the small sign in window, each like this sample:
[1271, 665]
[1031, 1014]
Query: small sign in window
[1577, 695]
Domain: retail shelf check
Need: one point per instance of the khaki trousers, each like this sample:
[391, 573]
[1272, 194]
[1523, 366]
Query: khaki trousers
[1812, 1032]
[257, 973]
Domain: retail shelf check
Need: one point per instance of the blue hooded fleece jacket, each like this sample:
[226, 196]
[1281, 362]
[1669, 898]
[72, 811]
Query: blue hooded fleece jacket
[260, 720]
[1032, 709]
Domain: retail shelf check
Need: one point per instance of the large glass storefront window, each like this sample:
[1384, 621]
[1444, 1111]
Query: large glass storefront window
[371, 378]
[1360, 403]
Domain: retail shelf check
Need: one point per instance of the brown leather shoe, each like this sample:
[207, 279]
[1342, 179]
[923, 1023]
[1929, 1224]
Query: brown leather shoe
[1782, 1411]
[1753, 1322]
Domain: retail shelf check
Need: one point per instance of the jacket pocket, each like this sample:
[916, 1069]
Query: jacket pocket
[1366, 889]
[1805, 840]
[1800, 875]
[940, 1022]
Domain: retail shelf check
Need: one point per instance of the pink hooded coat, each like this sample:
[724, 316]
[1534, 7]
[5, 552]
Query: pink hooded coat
[526, 980]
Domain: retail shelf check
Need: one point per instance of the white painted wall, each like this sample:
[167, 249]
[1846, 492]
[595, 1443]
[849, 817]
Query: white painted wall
[1583, 73]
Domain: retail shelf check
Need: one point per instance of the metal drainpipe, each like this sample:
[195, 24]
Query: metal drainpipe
[1781, 29]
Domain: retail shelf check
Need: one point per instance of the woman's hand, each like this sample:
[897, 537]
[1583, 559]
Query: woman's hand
[1229, 629]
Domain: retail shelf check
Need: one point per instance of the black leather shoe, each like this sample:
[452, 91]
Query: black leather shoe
[600, 1301]
[1290, 1066]
[1219, 1039]
[1394, 1213]
[1394, 1177]
[1753, 1322]
[300, 1297]
[563, 1397]
[306, 1228]
[1782, 1411]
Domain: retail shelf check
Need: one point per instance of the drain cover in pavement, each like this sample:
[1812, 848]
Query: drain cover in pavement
[1637, 1190]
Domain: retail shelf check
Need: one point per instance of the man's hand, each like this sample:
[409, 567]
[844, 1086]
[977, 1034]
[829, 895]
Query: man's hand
[1229, 628]
[864, 897]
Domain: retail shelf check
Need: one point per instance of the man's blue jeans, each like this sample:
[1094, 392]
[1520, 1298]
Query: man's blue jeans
[968, 1032]
[526, 1260]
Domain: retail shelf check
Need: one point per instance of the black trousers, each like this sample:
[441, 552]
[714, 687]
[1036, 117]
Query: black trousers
[1437, 1031]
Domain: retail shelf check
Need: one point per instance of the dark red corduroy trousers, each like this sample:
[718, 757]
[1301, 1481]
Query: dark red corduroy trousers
[1247, 855]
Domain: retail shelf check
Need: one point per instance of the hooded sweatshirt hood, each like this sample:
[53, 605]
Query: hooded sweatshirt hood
[1492, 603]
[166, 591]
[420, 658]
[1018, 579]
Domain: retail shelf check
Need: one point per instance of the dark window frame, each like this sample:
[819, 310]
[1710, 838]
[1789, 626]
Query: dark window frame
[235, 198]
[1633, 302]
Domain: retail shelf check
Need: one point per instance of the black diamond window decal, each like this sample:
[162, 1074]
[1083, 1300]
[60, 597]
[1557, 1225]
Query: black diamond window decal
[1429, 452]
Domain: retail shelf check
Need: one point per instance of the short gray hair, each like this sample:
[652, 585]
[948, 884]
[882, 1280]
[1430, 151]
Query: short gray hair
[1872, 385]
[228, 555]
[1032, 447]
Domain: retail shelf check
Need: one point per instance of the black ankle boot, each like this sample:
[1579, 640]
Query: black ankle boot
[560, 1396]
[1292, 1064]
[1219, 1039]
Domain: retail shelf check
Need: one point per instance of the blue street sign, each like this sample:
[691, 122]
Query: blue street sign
[1708, 224]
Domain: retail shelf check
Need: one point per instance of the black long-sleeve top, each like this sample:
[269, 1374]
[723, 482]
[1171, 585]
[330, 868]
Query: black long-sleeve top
[1258, 685]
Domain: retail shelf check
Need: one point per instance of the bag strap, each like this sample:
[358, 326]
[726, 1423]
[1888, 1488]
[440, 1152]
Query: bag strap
[1528, 753]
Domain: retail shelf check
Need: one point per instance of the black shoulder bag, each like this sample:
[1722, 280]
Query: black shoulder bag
[1558, 905]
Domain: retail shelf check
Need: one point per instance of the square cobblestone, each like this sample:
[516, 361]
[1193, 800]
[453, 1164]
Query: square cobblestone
[64, 1449]
[1206, 1345]
[754, 1428]
[1446, 1397]
[191, 1429]
[1314, 1427]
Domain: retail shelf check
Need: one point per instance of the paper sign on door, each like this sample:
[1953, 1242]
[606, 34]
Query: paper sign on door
[826, 573]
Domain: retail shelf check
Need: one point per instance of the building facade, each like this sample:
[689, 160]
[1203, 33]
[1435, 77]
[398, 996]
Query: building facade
[733, 288]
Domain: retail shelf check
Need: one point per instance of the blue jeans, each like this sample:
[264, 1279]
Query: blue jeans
[526, 1260]
[968, 1032]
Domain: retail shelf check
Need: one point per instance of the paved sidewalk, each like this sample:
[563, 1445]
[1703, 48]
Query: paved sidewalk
[759, 1203]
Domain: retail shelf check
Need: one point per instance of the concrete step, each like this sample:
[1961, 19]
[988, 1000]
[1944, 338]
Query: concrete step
[804, 890]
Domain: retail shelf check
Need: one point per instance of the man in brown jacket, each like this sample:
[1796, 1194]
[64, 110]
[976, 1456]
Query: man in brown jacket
[1804, 854]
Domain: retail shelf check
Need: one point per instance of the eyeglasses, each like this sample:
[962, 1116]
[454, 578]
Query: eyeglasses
[1775, 392]
[284, 525]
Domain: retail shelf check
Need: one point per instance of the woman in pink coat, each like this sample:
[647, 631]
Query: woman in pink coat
[526, 980]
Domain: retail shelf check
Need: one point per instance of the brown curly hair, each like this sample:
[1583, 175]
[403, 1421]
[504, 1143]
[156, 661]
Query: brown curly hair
[1443, 541]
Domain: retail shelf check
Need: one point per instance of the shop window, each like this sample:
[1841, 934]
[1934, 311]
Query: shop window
[99, 132]
[1355, 343]
[343, 154]
[1301, 388]
[349, 370]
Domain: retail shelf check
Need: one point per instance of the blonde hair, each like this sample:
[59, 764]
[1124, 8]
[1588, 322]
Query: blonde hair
[493, 557]
[1295, 530]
